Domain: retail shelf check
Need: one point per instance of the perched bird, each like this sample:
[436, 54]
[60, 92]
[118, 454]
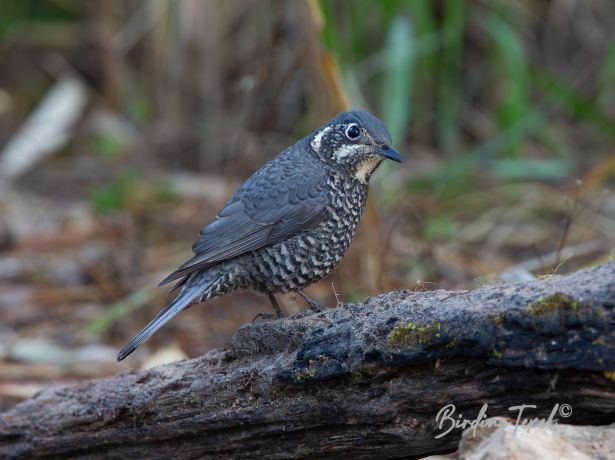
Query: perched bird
[289, 224]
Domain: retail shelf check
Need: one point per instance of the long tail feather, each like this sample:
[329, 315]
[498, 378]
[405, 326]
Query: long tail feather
[181, 302]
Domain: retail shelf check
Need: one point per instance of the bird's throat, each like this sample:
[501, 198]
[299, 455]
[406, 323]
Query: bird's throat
[364, 168]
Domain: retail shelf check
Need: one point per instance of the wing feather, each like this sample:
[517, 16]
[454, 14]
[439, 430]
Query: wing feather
[286, 196]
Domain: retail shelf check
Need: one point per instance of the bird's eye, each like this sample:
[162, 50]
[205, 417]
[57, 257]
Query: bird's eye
[352, 131]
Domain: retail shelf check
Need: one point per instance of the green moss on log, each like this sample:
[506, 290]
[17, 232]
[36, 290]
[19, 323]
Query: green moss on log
[553, 304]
[412, 334]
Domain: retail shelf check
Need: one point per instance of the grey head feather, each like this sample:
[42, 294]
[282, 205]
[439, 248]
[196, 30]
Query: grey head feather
[371, 123]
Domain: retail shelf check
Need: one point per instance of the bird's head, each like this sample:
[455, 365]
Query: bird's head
[354, 141]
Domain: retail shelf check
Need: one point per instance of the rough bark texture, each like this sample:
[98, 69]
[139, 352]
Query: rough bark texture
[364, 380]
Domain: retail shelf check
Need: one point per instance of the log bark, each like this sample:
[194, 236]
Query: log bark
[364, 380]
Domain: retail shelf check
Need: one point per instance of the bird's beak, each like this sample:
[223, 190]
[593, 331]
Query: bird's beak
[390, 153]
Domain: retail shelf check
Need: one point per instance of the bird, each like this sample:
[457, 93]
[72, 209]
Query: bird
[288, 225]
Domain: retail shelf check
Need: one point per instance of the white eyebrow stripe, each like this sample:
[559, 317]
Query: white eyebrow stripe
[316, 142]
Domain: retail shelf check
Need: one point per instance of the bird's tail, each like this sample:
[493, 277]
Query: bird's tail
[185, 298]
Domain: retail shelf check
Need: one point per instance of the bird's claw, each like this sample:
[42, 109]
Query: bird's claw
[267, 315]
[315, 306]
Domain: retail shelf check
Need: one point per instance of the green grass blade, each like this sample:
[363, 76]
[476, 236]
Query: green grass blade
[511, 64]
[120, 309]
[567, 97]
[398, 78]
[449, 72]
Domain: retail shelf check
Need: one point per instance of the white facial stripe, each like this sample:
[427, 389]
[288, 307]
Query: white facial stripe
[318, 138]
[366, 167]
[347, 150]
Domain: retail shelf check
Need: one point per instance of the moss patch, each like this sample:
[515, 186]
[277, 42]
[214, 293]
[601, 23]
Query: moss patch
[306, 374]
[610, 375]
[552, 304]
[413, 334]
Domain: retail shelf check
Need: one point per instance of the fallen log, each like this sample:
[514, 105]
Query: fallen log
[364, 380]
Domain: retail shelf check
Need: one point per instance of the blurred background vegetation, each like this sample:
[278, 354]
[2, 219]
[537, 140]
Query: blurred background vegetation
[125, 125]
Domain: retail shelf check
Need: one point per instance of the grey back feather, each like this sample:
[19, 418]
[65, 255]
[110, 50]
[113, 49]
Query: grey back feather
[284, 197]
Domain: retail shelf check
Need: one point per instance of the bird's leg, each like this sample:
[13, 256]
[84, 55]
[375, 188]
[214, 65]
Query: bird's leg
[315, 306]
[274, 303]
[278, 311]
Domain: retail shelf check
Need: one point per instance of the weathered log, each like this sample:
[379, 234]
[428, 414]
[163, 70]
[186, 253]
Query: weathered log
[363, 380]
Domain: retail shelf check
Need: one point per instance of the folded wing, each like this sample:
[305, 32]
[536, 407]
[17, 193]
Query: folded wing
[286, 196]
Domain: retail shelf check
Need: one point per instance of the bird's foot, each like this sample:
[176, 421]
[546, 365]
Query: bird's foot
[278, 311]
[317, 307]
[267, 315]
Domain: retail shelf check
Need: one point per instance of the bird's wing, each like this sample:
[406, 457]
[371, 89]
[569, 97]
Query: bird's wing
[286, 196]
